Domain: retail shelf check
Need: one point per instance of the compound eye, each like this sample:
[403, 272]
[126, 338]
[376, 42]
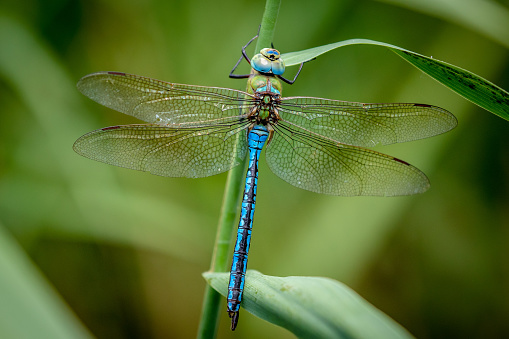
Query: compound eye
[261, 64]
[278, 67]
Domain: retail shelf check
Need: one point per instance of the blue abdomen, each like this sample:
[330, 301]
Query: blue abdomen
[256, 139]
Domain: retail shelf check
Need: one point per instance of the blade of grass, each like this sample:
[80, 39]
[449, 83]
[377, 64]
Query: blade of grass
[30, 308]
[467, 84]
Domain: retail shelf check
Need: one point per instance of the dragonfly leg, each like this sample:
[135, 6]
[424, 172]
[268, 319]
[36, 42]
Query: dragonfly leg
[238, 76]
[244, 55]
[290, 82]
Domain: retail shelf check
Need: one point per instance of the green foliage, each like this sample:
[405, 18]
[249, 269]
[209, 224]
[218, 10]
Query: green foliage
[471, 86]
[125, 249]
[311, 307]
[30, 308]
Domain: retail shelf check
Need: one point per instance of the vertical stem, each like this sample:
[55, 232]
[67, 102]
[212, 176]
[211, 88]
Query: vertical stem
[268, 26]
[227, 221]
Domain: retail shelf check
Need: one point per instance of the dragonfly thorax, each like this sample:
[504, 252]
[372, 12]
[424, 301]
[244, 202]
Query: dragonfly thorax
[266, 100]
[265, 109]
[259, 83]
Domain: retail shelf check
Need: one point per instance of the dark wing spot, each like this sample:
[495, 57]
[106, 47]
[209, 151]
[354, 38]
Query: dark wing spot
[401, 161]
[111, 127]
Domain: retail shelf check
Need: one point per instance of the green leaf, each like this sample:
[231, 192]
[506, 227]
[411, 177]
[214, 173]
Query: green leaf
[467, 84]
[30, 307]
[311, 307]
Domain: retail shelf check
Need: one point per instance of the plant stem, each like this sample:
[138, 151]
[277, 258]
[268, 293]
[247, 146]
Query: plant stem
[227, 221]
[268, 26]
[212, 299]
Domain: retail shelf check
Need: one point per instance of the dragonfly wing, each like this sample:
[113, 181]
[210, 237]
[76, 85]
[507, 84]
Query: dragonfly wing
[161, 102]
[366, 125]
[166, 151]
[320, 165]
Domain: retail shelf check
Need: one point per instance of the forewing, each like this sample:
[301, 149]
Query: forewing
[166, 151]
[320, 165]
[366, 125]
[160, 102]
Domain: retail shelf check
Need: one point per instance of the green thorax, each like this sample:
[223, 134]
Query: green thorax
[257, 81]
[267, 88]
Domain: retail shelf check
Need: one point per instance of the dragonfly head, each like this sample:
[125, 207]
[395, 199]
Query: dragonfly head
[268, 61]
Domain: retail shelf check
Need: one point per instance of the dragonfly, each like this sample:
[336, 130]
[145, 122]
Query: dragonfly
[320, 145]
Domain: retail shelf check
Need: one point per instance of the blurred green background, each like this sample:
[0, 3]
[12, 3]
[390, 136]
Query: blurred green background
[87, 249]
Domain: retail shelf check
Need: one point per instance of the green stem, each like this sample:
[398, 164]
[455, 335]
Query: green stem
[266, 35]
[227, 221]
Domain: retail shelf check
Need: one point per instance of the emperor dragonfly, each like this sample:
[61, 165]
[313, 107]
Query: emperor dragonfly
[312, 143]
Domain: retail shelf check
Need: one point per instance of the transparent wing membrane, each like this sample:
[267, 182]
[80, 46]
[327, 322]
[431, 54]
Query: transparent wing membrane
[310, 162]
[316, 144]
[366, 125]
[183, 152]
[161, 102]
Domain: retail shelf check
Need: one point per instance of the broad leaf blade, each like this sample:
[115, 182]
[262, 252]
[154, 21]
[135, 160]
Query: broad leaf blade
[311, 307]
[467, 84]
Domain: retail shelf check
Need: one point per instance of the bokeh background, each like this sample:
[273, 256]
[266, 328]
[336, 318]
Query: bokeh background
[87, 249]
